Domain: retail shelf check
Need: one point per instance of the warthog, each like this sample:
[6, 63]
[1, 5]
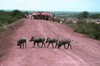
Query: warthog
[64, 42]
[51, 41]
[38, 40]
[21, 42]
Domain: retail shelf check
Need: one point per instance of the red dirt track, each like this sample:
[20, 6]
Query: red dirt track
[85, 51]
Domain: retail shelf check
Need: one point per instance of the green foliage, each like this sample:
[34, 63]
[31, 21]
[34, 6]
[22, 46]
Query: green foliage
[82, 15]
[56, 20]
[1, 54]
[86, 14]
[95, 16]
[2, 28]
[90, 29]
[9, 17]
[18, 14]
[70, 23]
[11, 26]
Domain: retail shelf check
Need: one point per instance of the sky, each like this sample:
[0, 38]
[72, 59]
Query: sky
[51, 5]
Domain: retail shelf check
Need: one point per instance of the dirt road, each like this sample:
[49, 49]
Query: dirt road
[85, 51]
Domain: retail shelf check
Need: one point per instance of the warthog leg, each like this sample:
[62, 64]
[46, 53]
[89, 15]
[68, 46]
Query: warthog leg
[52, 45]
[44, 44]
[39, 46]
[69, 45]
[20, 45]
[56, 45]
[25, 45]
[48, 45]
[34, 44]
[65, 46]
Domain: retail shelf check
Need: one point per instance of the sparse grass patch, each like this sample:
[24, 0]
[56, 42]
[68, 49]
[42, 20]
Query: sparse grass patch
[2, 28]
[11, 26]
[56, 20]
[21, 23]
[70, 23]
[1, 54]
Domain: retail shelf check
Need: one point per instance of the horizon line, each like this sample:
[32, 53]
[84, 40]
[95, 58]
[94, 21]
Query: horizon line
[48, 10]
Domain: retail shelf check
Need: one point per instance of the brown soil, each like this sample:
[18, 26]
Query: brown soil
[85, 51]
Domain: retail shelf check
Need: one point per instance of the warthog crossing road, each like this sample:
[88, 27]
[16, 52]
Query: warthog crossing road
[21, 42]
[51, 41]
[38, 40]
[64, 42]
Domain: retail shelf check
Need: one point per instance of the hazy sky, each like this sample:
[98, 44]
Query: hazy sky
[52, 5]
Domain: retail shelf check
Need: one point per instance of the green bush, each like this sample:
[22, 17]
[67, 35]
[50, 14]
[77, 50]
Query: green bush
[94, 16]
[2, 29]
[90, 29]
[11, 26]
[9, 17]
[1, 54]
[56, 20]
[70, 23]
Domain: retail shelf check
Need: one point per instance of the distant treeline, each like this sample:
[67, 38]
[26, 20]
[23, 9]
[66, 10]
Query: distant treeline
[86, 14]
[9, 17]
[80, 15]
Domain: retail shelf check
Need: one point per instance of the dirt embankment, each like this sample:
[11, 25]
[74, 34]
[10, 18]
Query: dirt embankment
[7, 35]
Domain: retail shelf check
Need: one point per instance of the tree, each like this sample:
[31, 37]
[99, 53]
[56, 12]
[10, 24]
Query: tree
[17, 14]
[83, 15]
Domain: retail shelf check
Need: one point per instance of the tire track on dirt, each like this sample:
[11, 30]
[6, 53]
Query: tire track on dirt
[93, 50]
[60, 53]
[80, 55]
[87, 51]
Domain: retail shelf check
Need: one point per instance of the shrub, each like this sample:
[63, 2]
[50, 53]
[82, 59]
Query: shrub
[2, 29]
[90, 29]
[94, 16]
[1, 54]
[9, 17]
[11, 26]
[56, 20]
[70, 23]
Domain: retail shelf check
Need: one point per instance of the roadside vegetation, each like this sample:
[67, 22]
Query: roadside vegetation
[1, 54]
[89, 28]
[9, 17]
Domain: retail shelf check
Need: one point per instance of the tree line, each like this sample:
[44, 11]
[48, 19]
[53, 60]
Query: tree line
[86, 14]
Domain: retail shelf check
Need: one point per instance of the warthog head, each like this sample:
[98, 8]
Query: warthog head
[18, 44]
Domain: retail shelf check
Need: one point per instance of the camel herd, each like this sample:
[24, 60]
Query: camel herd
[22, 42]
